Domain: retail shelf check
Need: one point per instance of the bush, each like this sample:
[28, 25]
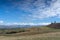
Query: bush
[12, 32]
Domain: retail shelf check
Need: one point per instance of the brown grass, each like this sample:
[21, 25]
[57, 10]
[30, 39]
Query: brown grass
[47, 36]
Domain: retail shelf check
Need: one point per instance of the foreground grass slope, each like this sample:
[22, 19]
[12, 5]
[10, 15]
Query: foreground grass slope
[46, 36]
[27, 31]
[34, 33]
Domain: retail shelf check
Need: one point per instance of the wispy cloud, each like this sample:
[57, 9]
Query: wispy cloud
[35, 9]
[40, 9]
[51, 11]
[1, 22]
[24, 23]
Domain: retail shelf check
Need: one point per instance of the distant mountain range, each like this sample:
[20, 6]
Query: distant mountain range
[19, 26]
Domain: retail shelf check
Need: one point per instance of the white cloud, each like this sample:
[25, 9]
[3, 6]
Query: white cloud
[27, 23]
[42, 10]
[45, 23]
[48, 12]
[1, 22]
[38, 9]
[23, 23]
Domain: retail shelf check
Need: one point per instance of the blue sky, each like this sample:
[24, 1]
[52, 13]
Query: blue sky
[29, 11]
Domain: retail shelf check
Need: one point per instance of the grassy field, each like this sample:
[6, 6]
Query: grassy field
[34, 33]
[27, 31]
[46, 36]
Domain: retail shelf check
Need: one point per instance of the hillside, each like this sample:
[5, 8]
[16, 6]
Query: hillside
[33, 33]
[47, 36]
[54, 25]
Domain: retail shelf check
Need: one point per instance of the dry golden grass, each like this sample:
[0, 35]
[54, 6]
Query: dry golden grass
[42, 33]
[46, 36]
